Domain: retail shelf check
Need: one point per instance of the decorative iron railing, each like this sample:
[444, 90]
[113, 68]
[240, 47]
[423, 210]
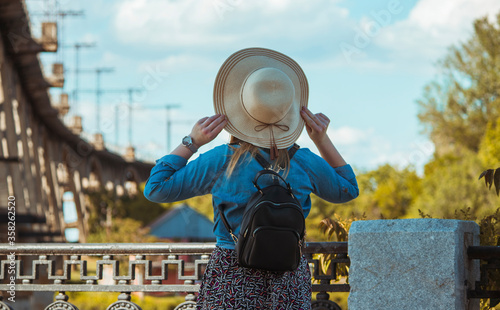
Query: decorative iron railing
[490, 273]
[65, 267]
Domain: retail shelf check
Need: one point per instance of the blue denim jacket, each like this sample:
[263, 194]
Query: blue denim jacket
[173, 179]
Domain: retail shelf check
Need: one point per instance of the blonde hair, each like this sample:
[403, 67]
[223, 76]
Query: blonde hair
[282, 161]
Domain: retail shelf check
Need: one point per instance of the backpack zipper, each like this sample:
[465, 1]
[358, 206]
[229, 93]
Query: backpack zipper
[277, 228]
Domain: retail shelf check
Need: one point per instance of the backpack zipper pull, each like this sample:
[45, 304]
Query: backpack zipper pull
[235, 239]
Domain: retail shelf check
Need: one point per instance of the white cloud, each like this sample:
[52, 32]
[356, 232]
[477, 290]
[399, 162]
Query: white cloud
[314, 32]
[432, 26]
[180, 62]
[217, 24]
[413, 44]
[349, 135]
[367, 149]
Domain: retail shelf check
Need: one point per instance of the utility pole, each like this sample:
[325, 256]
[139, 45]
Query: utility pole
[130, 102]
[98, 93]
[62, 15]
[130, 92]
[117, 123]
[77, 47]
[167, 107]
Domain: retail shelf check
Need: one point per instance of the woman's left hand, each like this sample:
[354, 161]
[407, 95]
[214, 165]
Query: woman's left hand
[207, 128]
[316, 125]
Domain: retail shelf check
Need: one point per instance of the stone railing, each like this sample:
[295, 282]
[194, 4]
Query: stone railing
[428, 264]
[67, 267]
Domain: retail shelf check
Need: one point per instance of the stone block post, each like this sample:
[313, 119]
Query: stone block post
[414, 264]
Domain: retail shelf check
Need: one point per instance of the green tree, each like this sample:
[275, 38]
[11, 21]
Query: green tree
[457, 109]
[393, 191]
[123, 230]
[386, 192]
[202, 204]
[136, 207]
[489, 151]
[449, 184]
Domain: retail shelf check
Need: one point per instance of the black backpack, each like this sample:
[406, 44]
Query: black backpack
[273, 225]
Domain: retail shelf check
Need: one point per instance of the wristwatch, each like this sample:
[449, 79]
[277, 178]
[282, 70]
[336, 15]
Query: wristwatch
[187, 141]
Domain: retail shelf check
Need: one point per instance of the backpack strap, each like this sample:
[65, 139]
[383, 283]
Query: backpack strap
[266, 165]
[275, 175]
[262, 161]
[293, 150]
[226, 223]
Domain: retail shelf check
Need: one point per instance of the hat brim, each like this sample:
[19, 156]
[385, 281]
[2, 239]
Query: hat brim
[227, 97]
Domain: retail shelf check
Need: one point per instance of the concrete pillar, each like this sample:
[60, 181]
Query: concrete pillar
[412, 264]
[63, 106]
[129, 154]
[98, 142]
[57, 78]
[78, 196]
[49, 37]
[49, 180]
[76, 127]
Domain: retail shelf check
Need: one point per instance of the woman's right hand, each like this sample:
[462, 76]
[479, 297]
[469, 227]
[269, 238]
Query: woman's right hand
[207, 128]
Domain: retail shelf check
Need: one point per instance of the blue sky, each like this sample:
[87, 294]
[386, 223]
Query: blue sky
[366, 62]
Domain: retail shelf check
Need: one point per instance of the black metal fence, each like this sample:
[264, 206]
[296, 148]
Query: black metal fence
[488, 287]
[130, 268]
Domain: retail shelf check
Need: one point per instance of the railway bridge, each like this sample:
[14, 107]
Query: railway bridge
[41, 158]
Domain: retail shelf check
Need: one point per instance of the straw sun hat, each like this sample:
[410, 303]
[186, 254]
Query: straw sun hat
[261, 92]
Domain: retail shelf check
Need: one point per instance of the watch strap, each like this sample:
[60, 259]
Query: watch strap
[193, 148]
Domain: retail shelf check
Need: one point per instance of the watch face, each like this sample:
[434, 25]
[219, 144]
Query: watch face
[187, 141]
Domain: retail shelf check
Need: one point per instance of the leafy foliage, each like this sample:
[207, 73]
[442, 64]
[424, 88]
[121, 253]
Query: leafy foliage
[103, 201]
[386, 192]
[202, 204]
[457, 110]
[126, 214]
[447, 185]
[492, 176]
[336, 229]
[490, 230]
[122, 230]
[489, 151]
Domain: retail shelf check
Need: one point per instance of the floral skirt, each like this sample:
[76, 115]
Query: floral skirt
[227, 286]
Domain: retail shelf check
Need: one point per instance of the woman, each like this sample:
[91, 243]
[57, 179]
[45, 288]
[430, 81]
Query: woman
[260, 97]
